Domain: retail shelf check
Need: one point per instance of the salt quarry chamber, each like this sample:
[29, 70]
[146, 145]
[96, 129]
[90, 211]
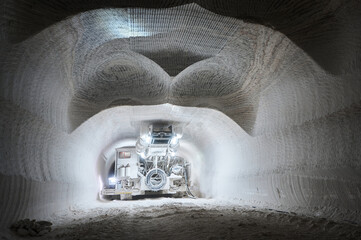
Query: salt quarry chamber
[266, 94]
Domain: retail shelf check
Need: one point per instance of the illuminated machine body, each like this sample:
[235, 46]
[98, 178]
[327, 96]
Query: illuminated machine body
[151, 167]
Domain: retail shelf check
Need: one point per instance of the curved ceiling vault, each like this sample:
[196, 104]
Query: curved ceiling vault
[131, 57]
[320, 28]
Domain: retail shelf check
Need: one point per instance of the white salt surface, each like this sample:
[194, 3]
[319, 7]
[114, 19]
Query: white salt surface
[167, 218]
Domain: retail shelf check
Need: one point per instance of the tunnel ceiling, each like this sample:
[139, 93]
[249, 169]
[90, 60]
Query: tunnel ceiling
[315, 26]
[177, 53]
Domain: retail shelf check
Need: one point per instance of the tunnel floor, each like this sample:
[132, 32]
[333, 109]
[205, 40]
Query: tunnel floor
[167, 218]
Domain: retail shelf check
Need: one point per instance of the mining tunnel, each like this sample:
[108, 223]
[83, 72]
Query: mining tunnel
[268, 94]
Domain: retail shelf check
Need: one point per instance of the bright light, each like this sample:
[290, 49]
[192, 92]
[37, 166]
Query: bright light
[100, 183]
[179, 135]
[112, 181]
[177, 169]
[174, 141]
[143, 155]
[147, 139]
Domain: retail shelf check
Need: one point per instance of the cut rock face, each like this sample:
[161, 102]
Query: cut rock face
[267, 123]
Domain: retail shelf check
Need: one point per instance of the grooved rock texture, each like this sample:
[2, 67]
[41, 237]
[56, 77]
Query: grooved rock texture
[271, 112]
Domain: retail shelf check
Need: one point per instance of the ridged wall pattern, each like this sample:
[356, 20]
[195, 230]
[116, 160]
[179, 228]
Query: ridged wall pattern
[271, 104]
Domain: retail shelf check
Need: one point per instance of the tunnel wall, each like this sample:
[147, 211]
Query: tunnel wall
[35, 178]
[309, 166]
[283, 133]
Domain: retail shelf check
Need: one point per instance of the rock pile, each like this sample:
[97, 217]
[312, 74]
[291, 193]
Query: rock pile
[27, 227]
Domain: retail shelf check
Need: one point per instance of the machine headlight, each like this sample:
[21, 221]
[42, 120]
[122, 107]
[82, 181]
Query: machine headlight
[144, 155]
[112, 181]
[147, 139]
[176, 169]
[174, 141]
[174, 144]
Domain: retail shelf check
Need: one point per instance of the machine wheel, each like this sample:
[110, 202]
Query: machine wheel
[126, 197]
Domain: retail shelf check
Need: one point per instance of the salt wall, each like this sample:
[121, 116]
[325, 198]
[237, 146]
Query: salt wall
[269, 95]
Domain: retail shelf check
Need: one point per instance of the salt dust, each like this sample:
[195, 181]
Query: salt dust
[168, 218]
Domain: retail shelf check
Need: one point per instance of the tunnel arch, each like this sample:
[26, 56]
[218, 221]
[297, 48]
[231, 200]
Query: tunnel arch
[97, 138]
[242, 73]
